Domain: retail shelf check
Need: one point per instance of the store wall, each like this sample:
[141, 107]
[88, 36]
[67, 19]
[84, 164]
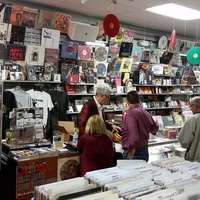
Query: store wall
[150, 35]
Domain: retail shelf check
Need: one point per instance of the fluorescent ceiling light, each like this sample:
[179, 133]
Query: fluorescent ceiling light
[175, 11]
[111, 5]
[83, 2]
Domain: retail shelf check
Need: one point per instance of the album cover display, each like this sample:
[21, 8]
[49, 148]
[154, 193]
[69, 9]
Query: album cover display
[46, 19]
[5, 32]
[35, 55]
[101, 54]
[50, 38]
[2, 11]
[49, 68]
[62, 22]
[23, 67]
[128, 36]
[67, 70]
[86, 64]
[69, 50]
[101, 69]
[7, 13]
[126, 65]
[125, 49]
[101, 36]
[114, 48]
[16, 52]
[52, 56]
[2, 51]
[145, 56]
[16, 14]
[154, 55]
[90, 75]
[84, 52]
[118, 64]
[70, 89]
[119, 36]
[32, 37]
[68, 168]
[30, 71]
[136, 53]
[17, 35]
[180, 46]
[39, 72]
[15, 72]
[30, 16]
[166, 57]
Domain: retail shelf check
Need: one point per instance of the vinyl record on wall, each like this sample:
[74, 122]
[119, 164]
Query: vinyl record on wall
[111, 25]
[84, 52]
[101, 54]
[193, 55]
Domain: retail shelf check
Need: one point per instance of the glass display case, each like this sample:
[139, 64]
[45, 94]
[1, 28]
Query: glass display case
[1, 112]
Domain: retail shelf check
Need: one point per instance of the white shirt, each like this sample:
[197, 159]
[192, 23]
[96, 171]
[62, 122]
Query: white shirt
[99, 106]
[41, 100]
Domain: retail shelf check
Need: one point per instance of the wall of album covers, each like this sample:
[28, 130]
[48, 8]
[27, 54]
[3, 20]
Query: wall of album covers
[35, 46]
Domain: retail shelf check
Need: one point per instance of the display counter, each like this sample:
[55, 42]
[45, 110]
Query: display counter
[20, 176]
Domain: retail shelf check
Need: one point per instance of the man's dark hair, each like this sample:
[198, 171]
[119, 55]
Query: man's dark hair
[133, 97]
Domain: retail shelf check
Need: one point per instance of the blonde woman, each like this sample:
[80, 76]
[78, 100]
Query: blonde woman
[95, 146]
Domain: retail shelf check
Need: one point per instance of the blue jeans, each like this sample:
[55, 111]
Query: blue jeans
[142, 154]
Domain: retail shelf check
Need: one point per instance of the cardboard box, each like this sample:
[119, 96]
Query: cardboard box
[66, 129]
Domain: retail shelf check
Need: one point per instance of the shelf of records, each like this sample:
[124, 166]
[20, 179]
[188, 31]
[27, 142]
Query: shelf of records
[169, 178]
[19, 71]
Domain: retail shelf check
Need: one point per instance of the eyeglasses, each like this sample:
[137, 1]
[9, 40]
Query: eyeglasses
[107, 96]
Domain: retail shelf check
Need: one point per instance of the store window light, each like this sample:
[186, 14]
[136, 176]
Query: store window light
[175, 11]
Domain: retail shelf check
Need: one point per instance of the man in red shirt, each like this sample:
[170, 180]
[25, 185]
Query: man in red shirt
[137, 125]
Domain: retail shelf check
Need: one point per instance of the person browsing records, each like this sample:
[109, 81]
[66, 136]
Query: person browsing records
[95, 146]
[137, 125]
[189, 135]
[94, 106]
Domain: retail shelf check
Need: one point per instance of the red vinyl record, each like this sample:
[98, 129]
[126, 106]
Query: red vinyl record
[172, 40]
[84, 52]
[111, 25]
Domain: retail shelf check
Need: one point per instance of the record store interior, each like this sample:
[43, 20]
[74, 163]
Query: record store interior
[68, 69]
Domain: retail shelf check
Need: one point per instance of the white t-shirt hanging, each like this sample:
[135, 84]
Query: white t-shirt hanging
[23, 98]
[42, 100]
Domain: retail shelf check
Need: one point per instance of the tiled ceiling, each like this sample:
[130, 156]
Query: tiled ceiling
[131, 12]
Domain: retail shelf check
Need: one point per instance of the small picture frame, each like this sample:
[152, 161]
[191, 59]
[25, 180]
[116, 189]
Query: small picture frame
[56, 77]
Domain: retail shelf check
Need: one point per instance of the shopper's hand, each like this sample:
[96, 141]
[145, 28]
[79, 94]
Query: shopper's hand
[131, 154]
[116, 128]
